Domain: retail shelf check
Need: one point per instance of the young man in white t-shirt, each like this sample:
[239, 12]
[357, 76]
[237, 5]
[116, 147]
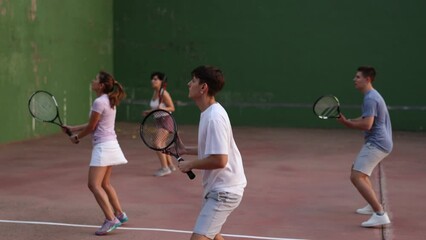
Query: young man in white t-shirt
[218, 155]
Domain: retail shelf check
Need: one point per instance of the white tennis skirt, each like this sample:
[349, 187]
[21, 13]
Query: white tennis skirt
[107, 154]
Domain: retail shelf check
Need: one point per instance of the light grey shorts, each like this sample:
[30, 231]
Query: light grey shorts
[215, 210]
[368, 158]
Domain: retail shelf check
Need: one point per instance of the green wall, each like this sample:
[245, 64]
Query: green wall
[58, 46]
[278, 56]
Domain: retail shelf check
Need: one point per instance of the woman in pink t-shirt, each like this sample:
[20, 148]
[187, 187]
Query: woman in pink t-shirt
[106, 150]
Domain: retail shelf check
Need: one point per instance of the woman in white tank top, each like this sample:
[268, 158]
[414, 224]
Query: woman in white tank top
[161, 99]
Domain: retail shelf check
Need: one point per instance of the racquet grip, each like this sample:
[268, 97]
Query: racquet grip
[68, 131]
[190, 173]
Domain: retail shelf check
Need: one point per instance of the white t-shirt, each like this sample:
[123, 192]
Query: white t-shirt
[215, 137]
[104, 131]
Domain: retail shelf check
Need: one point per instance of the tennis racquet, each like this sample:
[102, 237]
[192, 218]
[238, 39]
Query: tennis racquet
[326, 107]
[158, 131]
[43, 107]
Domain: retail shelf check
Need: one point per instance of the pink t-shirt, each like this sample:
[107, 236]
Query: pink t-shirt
[104, 131]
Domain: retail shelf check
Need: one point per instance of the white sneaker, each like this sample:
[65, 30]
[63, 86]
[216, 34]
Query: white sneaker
[172, 168]
[376, 220]
[162, 172]
[367, 210]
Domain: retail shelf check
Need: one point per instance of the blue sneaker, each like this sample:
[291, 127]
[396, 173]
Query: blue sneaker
[123, 217]
[108, 226]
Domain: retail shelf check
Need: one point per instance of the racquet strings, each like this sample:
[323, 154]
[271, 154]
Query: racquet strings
[327, 106]
[155, 132]
[43, 106]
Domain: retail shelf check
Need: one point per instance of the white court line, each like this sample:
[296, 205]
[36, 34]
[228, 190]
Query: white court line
[139, 229]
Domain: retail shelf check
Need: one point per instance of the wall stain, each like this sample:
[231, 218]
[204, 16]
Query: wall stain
[36, 59]
[33, 10]
[3, 8]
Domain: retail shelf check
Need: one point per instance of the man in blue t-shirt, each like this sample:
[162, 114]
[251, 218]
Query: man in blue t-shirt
[376, 124]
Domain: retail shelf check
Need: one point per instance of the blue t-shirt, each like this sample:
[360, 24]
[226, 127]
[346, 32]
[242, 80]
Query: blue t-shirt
[380, 134]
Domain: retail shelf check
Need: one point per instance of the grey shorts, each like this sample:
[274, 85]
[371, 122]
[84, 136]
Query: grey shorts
[368, 158]
[216, 208]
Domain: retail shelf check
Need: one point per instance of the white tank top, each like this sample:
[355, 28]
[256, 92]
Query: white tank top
[154, 104]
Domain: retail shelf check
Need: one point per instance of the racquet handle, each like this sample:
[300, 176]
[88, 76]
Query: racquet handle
[190, 174]
[68, 131]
